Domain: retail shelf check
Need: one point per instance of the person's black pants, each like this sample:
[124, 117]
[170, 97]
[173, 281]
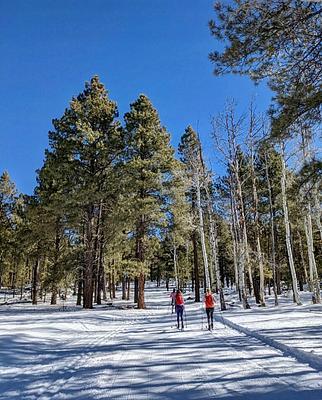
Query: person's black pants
[179, 311]
[210, 317]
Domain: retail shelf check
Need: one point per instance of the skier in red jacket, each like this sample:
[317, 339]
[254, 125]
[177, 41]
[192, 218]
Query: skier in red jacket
[210, 305]
[179, 307]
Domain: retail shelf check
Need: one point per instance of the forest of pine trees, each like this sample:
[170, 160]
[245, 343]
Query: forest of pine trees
[116, 205]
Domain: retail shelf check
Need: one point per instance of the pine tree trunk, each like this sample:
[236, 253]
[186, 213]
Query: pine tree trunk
[140, 256]
[100, 272]
[256, 290]
[13, 279]
[53, 299]
[113, 283]
[89, 258]
[192, 279]
[104, 285]
[175, 266]
[99, 286]
[110, 283]
[79, 287]
[287, 231]
[141, 303]
[136, 289]
[128, 288]
[35, 281]
[124, 287]
[98, 291]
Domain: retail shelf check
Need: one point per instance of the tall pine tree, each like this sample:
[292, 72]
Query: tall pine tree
[85, 145]
[150, 160]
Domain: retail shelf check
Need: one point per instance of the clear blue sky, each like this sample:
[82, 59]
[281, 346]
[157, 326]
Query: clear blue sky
[49, 48]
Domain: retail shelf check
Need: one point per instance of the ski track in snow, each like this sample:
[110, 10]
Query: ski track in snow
[256, 366]
[58, 385]
[139, 355]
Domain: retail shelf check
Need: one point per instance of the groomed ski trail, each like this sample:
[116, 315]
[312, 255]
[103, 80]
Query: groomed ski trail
[138, 355]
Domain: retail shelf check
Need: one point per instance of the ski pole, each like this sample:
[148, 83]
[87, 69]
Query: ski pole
[185, 317]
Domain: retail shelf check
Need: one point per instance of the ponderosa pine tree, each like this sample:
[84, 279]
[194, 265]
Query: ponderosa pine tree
[149, 164]
[189, 150]
[275, 40]
[85, 144]
[180, 224]
[7, 203]
[51, 202]
[33, 236]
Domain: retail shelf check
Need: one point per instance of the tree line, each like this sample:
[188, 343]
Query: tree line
[115, 205]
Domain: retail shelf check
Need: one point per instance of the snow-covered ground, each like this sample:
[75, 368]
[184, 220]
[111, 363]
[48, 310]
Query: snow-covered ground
[47, 352]
[288, 326]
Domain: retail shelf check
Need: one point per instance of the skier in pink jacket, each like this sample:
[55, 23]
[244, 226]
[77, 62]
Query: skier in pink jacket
[173, 299]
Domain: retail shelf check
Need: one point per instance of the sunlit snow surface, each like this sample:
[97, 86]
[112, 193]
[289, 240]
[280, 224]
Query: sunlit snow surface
[110, 353]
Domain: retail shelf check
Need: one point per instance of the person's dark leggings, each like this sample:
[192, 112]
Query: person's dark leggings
[179, 311]
[210, 317]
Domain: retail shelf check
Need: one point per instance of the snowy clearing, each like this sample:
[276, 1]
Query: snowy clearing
[296, 330]
[112, 353]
